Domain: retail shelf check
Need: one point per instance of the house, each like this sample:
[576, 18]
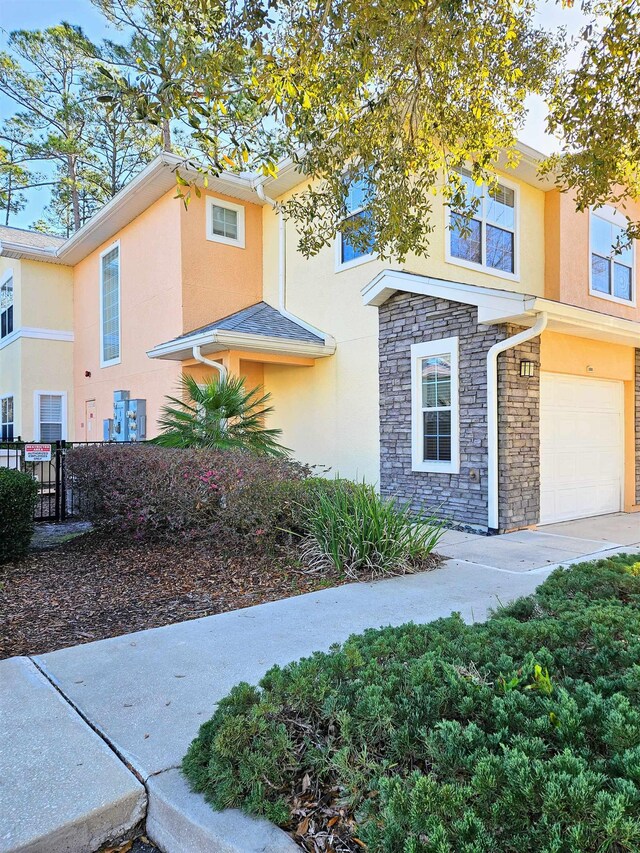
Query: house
[497, 380]
[36, 338]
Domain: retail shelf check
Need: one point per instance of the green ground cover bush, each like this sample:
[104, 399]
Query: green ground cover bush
[18, 493]
[520, 734]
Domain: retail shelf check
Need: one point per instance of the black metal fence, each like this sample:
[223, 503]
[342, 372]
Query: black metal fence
[56, 500]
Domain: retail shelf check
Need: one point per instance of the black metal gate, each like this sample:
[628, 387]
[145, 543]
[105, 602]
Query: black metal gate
[51, 504]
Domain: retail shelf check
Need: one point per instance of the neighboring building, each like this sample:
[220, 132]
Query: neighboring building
[405, 377]
[36, 338]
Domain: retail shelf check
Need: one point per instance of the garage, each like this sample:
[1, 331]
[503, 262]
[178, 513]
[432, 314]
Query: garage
[581, 447]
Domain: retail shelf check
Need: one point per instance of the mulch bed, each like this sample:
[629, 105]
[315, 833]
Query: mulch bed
[95, 587]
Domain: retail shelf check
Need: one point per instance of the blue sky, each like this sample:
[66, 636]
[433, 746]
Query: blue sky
[38, 14]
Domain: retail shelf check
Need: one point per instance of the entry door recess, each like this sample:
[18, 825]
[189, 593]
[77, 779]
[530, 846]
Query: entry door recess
[581, 447]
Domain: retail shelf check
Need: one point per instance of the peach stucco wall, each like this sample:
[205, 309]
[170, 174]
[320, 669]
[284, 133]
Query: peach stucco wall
[218, 279]
[567, 256]
[151, 311]
[583, 357]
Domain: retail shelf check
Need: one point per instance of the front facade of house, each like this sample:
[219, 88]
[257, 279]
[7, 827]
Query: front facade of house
[496, 381]
[36, 338]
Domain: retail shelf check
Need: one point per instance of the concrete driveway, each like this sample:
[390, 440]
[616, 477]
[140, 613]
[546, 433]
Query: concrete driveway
[547, 546]
[146, 694]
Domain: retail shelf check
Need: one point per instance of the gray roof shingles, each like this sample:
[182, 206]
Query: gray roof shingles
[259, 319]
[32, 239]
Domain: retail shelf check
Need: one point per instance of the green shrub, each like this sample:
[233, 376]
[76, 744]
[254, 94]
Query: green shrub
[274, 511]
[157, 491]
[18, 494]
[521, 734]
[357, 532]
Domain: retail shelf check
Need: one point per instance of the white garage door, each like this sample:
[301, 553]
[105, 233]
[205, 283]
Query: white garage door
[581, 447]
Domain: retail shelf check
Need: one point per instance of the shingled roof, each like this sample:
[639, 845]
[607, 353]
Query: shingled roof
[32, 239]
[259, 319]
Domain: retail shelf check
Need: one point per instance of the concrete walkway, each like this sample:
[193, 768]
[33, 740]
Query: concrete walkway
[146, 694]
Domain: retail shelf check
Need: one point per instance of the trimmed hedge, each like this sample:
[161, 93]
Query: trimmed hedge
[520, 734]
[18, 493]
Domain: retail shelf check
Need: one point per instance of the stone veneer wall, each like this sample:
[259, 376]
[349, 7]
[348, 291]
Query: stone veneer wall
[519, 435]
[406, 319]
[638, 426]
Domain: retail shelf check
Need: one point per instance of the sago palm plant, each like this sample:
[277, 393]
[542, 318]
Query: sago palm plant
[221, 414]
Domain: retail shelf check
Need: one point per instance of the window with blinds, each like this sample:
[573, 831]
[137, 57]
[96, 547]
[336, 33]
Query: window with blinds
[51, 414]
[110, 307]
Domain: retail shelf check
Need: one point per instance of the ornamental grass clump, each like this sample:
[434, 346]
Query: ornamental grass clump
[518, 735]
[358, 533]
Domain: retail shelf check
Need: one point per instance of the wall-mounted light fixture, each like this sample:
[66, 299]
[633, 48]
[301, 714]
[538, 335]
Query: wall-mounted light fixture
[87, 373]
[527, 368]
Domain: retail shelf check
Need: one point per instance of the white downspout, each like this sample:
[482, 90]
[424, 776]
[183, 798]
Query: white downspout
[492, 411]
[222, 370]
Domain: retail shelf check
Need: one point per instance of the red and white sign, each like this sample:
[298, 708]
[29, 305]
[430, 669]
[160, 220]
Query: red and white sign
[37, 453]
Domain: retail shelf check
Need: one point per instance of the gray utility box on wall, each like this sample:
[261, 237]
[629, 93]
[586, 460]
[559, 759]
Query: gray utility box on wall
[129, 421]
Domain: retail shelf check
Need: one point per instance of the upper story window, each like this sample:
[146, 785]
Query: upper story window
[225, 222]
[6, 418]
[612, 256]
[110, 306]
[6, 306]
[434, 406]
[349, 252]
[489, 239]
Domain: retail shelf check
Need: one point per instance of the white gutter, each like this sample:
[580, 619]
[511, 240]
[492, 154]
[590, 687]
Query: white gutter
[492, 412]
[222, 370]
[282, 269]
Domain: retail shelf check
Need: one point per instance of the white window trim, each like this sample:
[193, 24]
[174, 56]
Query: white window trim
[7, 396]
[418, 352]
[228, 205]
[111, 361]
[36, 412]
[483, 268]
[3, 280]
[614, 217]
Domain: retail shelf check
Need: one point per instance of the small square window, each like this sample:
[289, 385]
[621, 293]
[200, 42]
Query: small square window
[225, 222]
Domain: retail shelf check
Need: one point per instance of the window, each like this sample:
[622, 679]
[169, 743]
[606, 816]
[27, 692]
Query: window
[488, 239]
[436, 440]
[349, 254]
[50, 408]
[6, 418]
[225, 222]
[6, 306]
[611, 256]
[110, 306]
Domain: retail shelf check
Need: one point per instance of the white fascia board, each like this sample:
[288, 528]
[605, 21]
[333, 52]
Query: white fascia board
[18, 251]
[388, 282]
[148, 186]
[220, 340]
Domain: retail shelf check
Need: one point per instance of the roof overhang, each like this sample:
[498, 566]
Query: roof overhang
[221, 340]
[503, 306]
[11, 249]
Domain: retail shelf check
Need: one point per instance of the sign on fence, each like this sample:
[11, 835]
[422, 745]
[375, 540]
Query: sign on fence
[37, 453]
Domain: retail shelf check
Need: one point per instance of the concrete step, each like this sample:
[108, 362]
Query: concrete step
[179, 820]
[62, 790]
